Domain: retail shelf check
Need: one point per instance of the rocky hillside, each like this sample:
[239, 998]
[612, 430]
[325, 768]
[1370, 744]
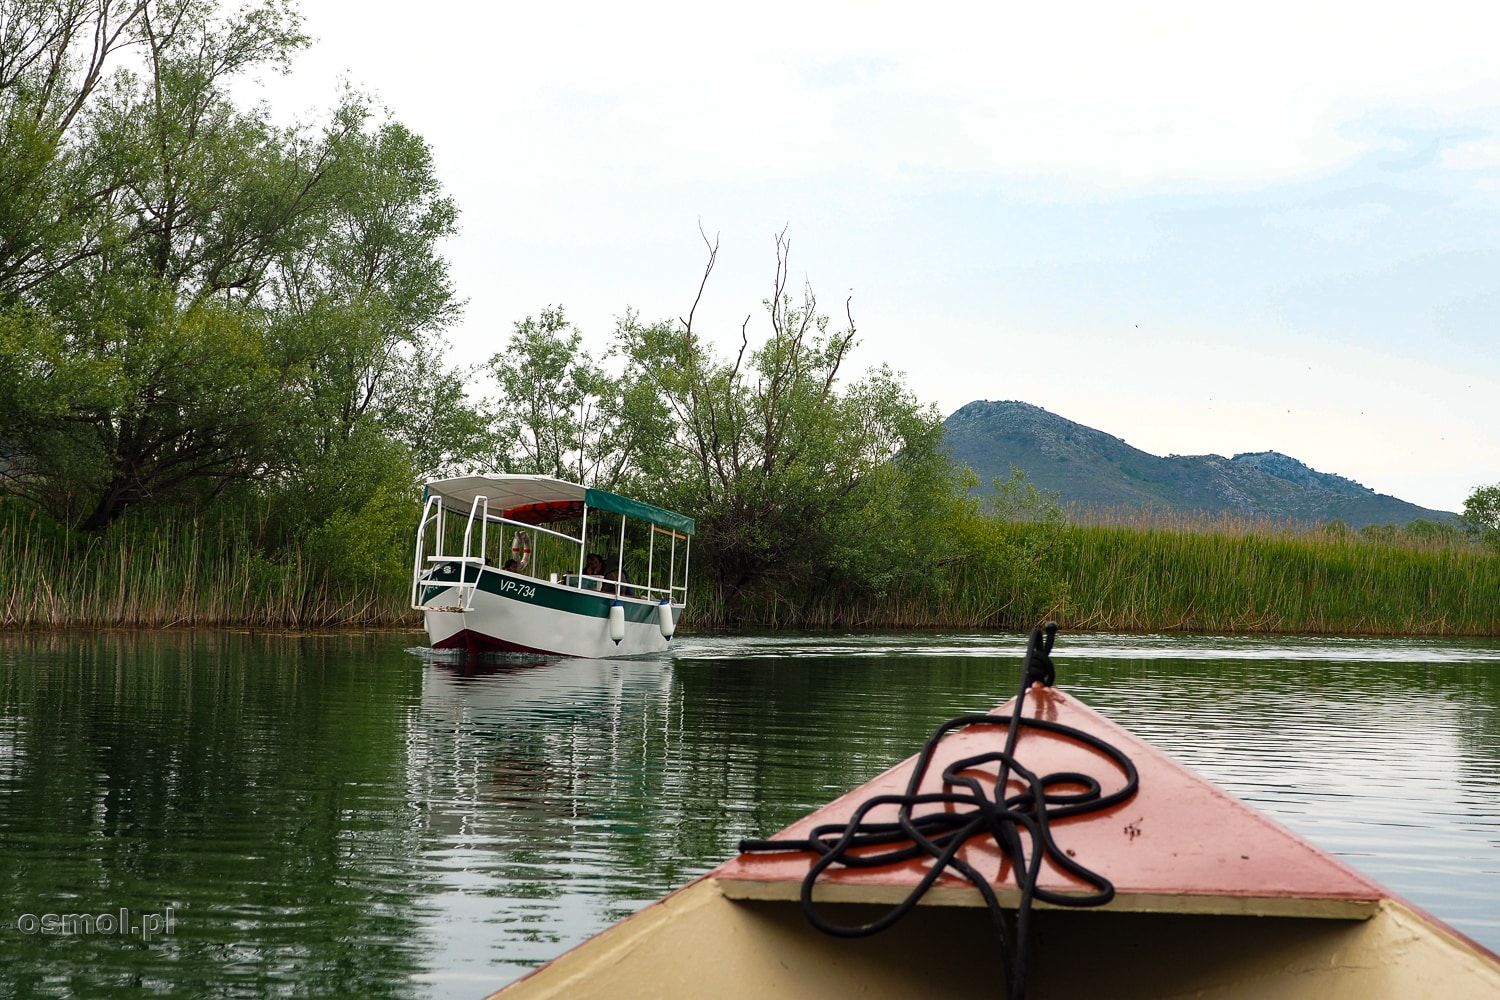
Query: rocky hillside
[1092, 468]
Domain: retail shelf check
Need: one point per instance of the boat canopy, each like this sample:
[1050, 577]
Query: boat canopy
[602, 500]
[540, 499]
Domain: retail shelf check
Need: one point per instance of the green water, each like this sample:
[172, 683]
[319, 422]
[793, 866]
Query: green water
[337, 815]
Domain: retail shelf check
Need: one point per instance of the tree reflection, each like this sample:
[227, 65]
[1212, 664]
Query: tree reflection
[241, 780]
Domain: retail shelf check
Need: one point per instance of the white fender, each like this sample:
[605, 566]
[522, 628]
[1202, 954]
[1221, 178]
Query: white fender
[664, 619]
[617, 622]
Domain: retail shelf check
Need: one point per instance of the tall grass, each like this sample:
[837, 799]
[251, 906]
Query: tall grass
[1151, 579]
[177, 571]
[1114, 571]
[1130, 571]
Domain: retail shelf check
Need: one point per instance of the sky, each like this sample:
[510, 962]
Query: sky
[1201, 228]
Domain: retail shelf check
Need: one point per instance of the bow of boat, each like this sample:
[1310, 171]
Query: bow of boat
[1212, 899]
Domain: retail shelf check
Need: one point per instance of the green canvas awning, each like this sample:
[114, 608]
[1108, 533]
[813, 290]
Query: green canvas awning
[613, 502]
[510, 492]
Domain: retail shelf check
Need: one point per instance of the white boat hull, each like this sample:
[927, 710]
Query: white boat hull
[514, 613]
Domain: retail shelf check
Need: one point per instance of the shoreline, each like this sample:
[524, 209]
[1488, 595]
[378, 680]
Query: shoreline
[1215, 579]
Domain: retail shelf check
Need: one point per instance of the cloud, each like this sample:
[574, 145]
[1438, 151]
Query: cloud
[1007, 189]
[1101, 97]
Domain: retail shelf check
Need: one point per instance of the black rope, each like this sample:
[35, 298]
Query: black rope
[940, 834]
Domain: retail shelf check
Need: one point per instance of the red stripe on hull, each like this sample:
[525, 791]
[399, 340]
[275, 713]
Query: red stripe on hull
[477, 642]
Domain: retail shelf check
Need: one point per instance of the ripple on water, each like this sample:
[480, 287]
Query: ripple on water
[337, 807]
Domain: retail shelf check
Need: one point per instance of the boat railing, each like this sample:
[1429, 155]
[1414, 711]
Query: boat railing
[466, 588]
[431, 511]
[672, 588]
[421, 577]
[673, 592]
[611, 587]
[435, 513]
[524, 526]
[628, 588]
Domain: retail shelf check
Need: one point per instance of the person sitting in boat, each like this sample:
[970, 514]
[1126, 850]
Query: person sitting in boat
[619, 589]
[593, 566]
[510, 566]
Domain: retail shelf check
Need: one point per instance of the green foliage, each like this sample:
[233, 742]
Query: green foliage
[350, 513]
[792, 473]
[209, 299]
[1481, 515]
[561, 413]
[1420, 532]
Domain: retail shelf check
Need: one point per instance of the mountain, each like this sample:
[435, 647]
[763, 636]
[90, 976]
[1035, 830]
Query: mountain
[1094, 469]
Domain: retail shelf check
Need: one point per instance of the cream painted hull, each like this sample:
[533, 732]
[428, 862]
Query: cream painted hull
[699, 943]
[1211, 900]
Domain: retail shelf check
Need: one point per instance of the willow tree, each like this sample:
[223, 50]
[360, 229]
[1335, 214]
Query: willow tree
[1481, 515]
[191, 295]
[798, 474]
[562, 412]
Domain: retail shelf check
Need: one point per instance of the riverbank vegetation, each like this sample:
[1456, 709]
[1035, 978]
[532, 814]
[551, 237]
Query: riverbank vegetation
[1002, 568]
[223, 380]
[1131, 571]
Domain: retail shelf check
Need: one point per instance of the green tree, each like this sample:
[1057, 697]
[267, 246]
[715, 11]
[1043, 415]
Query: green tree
[364, 294]
[210, 299]
[53, 57]
[795, 475]
[562, 413]
[361, 300]
[1481, 515]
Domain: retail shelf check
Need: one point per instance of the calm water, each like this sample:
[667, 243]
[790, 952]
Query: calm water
[332, 815]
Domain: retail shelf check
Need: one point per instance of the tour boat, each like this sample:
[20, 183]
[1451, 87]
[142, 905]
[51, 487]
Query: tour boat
[532, 564]
[1210, 898]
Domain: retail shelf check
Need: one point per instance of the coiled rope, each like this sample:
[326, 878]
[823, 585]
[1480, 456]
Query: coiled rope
[940, 834]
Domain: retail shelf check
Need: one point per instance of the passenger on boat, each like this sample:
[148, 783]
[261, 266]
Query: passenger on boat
[619, 591]
[510, 566]
[593, 565]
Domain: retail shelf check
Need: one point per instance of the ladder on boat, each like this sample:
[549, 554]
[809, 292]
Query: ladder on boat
[424, 570]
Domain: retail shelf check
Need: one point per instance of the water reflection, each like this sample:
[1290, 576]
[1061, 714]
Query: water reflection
[240, 782]
[335, 814]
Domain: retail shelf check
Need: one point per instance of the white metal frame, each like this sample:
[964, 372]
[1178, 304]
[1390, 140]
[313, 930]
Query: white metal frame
[436, 510]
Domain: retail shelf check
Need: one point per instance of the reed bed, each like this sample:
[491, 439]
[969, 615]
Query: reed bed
[1189, 522]
[181, 572]
[1123, 579]
[1145, 573]
[1112, 571]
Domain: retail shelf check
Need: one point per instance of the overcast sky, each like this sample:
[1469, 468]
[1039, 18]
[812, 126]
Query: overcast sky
[1204, 229]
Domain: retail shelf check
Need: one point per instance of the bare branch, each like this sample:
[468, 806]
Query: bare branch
[713, 255]
[842, 346]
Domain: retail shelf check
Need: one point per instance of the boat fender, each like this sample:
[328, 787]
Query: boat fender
[617, 622]
[664, 619]
[520, 549]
